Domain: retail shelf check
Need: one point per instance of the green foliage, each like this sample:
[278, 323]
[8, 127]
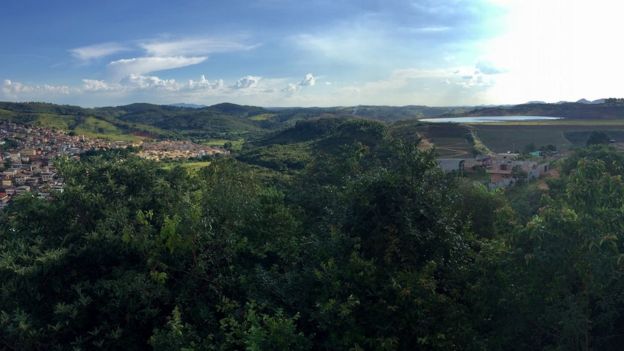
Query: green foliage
[368, 245]
[525, 200]
[279, 157]
[488, 212]
[596, 138]
[176, 335]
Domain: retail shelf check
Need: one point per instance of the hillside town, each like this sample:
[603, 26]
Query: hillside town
[177, 150]
[502, 169]
[27, 153]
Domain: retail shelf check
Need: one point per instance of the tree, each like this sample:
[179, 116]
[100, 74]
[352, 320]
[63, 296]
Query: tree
[570, 263]
[529, 148]
[597, 138]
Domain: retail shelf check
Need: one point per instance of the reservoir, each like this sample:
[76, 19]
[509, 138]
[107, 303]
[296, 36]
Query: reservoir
[488, 119]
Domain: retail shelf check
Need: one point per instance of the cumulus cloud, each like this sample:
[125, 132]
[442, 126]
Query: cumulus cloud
[247, 82]
[467, 77]
[13, 88]
[308, 81]
[142, 65]
[291, 88]
[91, 52]
[97, 85]
[135, 81]
[402, 86]
[204, 83]
[483, 75]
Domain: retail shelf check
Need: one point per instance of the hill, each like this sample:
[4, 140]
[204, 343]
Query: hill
[140, 120]
[226, 122]
[292, 149]
[222, 121]
[576, 110]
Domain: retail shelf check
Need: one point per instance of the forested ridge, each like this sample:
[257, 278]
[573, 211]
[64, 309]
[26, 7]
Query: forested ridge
[367, 246]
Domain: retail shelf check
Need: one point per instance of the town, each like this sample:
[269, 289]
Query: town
[503, 170]
[177, 150]
[27, 156]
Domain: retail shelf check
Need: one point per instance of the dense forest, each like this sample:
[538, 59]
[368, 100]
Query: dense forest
[366, 245]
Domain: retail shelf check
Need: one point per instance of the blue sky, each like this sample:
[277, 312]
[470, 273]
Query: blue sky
[309, 53]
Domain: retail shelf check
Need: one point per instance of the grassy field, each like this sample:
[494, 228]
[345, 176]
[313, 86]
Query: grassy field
[49, 120]
[558, 122]
[97, 128]
[452, 147]
[6, 115]
[564, 135]
[450, 140]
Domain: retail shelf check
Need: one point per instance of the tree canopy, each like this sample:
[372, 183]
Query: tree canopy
[368, 246]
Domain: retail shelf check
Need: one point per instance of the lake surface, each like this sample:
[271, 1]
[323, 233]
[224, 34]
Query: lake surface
[488, 119]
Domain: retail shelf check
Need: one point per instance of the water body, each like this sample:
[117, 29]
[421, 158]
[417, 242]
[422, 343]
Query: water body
[488, 119]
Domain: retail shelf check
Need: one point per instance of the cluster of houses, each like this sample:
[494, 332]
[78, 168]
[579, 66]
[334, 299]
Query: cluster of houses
[177, 150]
[503, 169]
[27, 153]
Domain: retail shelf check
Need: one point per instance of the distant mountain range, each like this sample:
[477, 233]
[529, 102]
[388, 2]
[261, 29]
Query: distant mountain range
[232, 121]
[184, 105]
[585, 101]
[582, 109]
[581, 101]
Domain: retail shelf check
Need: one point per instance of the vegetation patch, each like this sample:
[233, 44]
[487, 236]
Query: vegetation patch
[98, 128]
[193, 166]
[49, 120]
[234, 145]
[262, 117]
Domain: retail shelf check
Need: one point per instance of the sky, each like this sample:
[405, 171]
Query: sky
[310, 53]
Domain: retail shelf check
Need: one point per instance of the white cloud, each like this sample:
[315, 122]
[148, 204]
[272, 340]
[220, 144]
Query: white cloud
[12, 88]
[97, 85]
[159, 55]
[291, 88]
[204, 83]
[247, 82]
[141, 65]
[193, 47]
[459, 85]
[135, 81]
[91, 52]
[308, 81]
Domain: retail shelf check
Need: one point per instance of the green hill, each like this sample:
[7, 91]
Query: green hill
[269, 126]
[139, 120]
[568, 110]
[293, 148]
